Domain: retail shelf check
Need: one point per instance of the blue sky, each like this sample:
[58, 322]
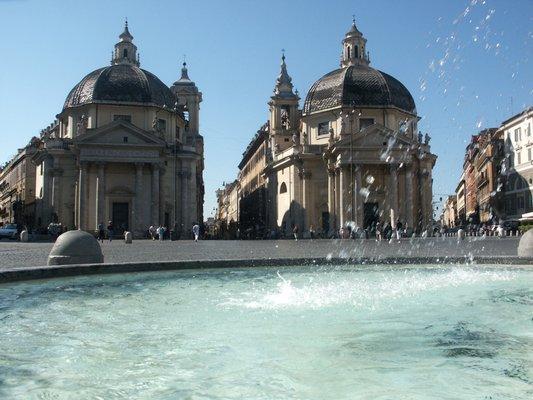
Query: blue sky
[467, 63]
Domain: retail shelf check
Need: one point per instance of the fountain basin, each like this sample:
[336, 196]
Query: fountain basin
[315, 332]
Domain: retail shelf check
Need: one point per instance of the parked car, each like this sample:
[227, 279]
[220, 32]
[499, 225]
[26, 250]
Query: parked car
[8, 231]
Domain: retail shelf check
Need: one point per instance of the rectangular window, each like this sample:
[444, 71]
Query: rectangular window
[120, 117]
[323, 128]
[518, 158]
[528, 129]
[365, 122]
[529, 154]
[517, 134]
[162, 125]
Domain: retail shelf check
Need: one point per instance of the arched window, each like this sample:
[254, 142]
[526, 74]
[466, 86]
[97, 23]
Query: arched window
[283, 188]
[125, 53]
[356, 52]
[348, 52]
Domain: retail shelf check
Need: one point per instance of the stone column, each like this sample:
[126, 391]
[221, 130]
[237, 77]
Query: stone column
[193, 201]
[76, 203]
[46, 201]
[100, 194]
[338, 210]
[357, 198]
[425, 197]
[138, 219]
[184, 179]
[393, 193]
[83, 183]
[331, 199]
[162, 195]
[306, 200]
[155, 194]
[344, 196]
[409, 196]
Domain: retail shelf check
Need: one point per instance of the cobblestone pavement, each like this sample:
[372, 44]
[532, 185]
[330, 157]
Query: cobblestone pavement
[16, 254]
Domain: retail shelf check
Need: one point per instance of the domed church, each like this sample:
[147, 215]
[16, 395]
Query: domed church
[352, 156]
[126, 148]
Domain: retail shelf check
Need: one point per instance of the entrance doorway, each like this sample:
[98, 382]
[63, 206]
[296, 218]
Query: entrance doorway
[121, 216]
[371, 215]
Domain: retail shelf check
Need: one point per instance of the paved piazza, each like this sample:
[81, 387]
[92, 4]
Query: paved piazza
[16, 254]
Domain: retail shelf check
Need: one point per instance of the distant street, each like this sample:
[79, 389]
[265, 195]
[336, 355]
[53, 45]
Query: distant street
[16, 254]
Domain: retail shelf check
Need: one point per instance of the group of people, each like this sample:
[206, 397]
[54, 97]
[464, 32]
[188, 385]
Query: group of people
[387, 231]
[102, 231]
[155, 232]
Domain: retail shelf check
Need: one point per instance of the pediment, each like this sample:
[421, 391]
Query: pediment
[119, 132]
[375, 135]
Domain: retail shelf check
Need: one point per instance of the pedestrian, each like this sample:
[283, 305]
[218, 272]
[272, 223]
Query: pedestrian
[153, 231]
[196, 232]
[398, 230]
[101, 232]
[295, 232]
[378, 231]
[160, 233]
[110, 231]
[312, 231]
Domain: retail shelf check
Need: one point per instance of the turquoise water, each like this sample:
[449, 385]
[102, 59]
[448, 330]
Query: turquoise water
[291, 333]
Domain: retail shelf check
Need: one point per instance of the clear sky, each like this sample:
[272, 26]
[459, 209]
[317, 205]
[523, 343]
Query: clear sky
[467, 63]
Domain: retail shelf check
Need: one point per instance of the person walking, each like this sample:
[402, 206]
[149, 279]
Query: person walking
[110, 231]
[196, 232]
[153, 231]
[378, 231]
[312, 231]
[295, 232]
[101, 232]
[161, 233]
[398, 230]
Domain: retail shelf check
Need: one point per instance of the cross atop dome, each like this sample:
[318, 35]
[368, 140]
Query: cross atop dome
[126, 35]
[125, 51]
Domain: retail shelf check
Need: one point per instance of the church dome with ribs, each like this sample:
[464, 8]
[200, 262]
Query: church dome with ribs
[122, 83]
[358, 86]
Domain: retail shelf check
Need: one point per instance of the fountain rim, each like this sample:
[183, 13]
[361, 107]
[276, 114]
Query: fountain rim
[18, 274]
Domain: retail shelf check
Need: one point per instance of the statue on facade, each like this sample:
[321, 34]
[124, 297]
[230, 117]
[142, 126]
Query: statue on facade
[427, 138]
[420, 137]
[82, 124]
[331, 138]
[155, 124]
[295, 141]
[343, 127]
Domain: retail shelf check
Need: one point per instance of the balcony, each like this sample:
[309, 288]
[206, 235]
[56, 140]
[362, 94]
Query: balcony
[482, 181]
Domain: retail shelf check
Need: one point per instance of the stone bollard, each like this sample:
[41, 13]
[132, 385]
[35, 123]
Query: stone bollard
[128, 237]
[460, 234]
[24, 236]
[75, 247]
[525, 245]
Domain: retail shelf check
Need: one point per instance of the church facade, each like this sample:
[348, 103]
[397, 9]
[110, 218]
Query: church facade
[126, 148]
[352, 156]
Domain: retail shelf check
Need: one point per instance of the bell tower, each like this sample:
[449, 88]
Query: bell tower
[354, 48]
[125, 51]
[189, 98]
[284, 114]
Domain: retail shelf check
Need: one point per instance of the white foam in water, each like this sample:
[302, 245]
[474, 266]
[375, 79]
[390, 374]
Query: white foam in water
[359, 290]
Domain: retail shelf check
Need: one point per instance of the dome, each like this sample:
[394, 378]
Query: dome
[359, 86]
[121, 83]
